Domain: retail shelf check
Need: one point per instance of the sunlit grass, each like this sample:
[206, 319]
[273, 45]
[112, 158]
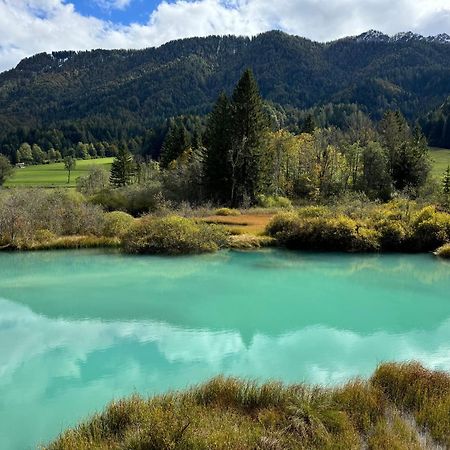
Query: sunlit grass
[440, 158]
[49, 175]
[227, 413]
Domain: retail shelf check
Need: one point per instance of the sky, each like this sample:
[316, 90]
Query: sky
[32, 26]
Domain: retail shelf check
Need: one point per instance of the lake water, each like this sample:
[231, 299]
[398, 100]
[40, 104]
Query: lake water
[80, 328]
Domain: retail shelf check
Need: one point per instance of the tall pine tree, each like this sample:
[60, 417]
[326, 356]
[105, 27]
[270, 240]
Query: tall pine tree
[175, 144]
[248, 123]
[218, 145]
[123, 168]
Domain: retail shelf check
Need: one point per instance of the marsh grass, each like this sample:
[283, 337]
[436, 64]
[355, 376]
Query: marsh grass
[444, 251]
[71, 242]
[228, 413]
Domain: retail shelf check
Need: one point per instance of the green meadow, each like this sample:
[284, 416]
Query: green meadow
[441, 160]
[49, 175]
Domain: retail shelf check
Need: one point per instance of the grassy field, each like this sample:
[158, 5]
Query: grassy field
[50, 175]
[441, 160]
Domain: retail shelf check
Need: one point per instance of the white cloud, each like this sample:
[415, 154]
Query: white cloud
[31, 26]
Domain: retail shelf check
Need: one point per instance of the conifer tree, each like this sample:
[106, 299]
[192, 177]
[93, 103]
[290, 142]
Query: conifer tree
[123, 168]
[218, 145]
[407, 151]
[248, 124]
[308, 125]
[175, 144]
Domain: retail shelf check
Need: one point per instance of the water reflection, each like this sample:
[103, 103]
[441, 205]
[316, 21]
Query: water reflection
[54, 371]
[79, 328]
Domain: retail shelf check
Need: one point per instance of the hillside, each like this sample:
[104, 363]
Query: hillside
[62, 98]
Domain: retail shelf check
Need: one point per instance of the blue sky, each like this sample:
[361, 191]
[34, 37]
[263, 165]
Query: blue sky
[28, 27]
[136, 11]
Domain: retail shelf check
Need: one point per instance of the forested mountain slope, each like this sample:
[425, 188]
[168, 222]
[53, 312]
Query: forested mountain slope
[62, 98]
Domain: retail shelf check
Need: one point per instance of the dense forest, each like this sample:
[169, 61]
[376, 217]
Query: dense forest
[132, 97]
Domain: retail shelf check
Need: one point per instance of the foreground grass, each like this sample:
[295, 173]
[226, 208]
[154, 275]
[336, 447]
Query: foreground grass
[50, 175]
[403, 406]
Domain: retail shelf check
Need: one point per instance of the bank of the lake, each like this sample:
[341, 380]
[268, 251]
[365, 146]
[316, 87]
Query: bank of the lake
[81, 328]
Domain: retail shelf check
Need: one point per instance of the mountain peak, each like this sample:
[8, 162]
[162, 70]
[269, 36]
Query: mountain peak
[372, 36]
[405, 36]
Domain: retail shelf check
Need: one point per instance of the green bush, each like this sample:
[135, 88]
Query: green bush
[314, 211]
[227, 212]
[117, 224]
[135, 199]
[173, 235]
[269, 201]
[318, 233]
[393, 234]
[431, 229]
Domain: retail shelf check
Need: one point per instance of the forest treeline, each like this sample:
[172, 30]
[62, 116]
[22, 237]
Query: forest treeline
[236, 158]
[112, 99]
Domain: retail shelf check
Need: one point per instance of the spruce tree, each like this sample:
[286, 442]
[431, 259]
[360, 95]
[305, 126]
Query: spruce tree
[123, 168]
[175, 143]
[248, 124]
[218, 147]
[308, 125]
[407, 151]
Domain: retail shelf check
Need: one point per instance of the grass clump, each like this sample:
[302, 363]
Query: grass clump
[228, 413]
[227, 212]
[421, 392]
[443, 251]
[173, 235]
[249, 241]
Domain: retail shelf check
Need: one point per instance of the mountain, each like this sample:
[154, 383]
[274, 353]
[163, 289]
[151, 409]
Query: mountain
[61, 98]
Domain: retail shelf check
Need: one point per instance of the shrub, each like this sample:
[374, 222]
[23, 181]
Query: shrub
[430, 229]
[444, 251]
[173, 235]
[269, 201]
[117, 224]
[314, 211]
[23, 213]
[135, 199]
[227, 212]
[318, 233]
[392, 234]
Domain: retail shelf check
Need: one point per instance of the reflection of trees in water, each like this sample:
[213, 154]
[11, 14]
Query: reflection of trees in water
[26, 268]
[424, 267]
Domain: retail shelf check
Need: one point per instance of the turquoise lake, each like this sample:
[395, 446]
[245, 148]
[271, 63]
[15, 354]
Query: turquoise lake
[80, 328]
